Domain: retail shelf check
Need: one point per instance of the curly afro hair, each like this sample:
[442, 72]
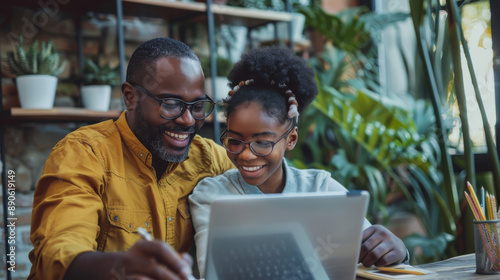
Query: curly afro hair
[265, 65]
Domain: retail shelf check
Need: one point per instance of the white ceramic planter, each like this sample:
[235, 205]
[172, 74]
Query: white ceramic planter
[221, 86]
[36, 91]
[96, 97]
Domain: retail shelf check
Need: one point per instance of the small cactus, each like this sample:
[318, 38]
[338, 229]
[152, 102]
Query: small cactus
[95, 73]
[35, 61]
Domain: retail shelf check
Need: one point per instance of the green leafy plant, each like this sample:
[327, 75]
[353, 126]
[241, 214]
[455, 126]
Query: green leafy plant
[44, 60]
[440, 39]
[223, 66]
[97, 73]
[368, 141]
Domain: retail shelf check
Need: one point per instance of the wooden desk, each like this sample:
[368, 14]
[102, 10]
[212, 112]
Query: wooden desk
[461, 267]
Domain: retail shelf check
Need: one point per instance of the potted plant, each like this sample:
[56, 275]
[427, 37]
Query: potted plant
[36, 69]
[223, 68]
[97, 81]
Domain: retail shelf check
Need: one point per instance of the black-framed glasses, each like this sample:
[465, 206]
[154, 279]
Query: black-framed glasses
[259, 147]
[172, 108]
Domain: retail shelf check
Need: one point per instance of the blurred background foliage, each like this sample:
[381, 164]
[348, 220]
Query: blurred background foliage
[396, 148]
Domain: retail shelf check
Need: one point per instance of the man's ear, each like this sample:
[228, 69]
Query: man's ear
[292, 139]
[130, 96]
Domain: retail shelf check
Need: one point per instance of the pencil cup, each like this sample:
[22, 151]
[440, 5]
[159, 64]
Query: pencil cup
[487, 246]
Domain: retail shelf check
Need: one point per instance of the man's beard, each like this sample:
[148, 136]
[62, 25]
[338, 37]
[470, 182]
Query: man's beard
[151, 137]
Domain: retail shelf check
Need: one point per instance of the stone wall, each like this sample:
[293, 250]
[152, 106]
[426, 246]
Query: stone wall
[27, 148]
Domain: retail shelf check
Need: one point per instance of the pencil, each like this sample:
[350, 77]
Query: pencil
[400, 270]
[472, 207]
[147, 236]
[144, 234]
[487, 207]
[494, 207]
[476, 202]
[483, 206]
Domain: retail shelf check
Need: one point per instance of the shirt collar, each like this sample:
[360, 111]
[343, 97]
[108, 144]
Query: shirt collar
[131, 140]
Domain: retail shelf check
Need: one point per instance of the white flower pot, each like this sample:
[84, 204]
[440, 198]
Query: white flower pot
[221, 86]
[96, 97]
[36, 91]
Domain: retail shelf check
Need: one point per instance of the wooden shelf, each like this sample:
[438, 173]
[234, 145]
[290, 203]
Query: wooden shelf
[175, 11]
[73, 7]
[66, 114]
[57, 114]
[247, 17]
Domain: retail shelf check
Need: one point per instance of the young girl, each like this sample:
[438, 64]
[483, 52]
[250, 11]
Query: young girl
[271, 86]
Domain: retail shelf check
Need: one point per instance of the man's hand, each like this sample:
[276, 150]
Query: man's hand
[380, 247]
[145, 260]
[153, 260]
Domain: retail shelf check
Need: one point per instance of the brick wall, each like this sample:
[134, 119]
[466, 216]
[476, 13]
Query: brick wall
[28, 146]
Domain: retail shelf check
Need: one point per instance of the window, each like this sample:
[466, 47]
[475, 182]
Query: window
[476, 23]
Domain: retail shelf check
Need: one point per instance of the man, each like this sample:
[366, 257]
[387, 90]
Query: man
[103, 181]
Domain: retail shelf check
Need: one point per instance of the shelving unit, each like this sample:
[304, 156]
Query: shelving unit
[190, 12]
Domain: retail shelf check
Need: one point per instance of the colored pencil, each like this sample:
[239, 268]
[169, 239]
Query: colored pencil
[487, 207]
[483, 206]
[472, 207]
[400, 270]
[476, 202]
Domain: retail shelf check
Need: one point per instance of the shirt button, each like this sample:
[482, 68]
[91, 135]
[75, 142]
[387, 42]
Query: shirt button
[141, 155]
[169, 219]
[115, 218]
[147, 224]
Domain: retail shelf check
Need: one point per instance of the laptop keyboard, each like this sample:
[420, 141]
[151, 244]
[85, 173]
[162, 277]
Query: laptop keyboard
[265, 257]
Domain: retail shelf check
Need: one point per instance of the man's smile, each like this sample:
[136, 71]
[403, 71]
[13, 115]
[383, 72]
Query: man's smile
[177, 136]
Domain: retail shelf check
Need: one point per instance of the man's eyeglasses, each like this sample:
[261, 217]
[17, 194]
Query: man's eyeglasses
[172, 108]
[259, 148]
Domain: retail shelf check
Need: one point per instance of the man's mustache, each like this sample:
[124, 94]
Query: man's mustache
[185, 129]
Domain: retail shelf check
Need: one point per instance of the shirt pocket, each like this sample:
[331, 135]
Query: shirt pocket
[184, 225]
[124, 221]
[183, 207]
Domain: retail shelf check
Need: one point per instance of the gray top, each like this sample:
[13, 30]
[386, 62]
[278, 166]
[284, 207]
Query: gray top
[231, 183]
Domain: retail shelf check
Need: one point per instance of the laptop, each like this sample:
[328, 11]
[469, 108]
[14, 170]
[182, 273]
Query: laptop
[305, 236]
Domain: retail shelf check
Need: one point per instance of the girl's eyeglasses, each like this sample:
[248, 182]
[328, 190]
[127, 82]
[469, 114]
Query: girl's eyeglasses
[259, 148]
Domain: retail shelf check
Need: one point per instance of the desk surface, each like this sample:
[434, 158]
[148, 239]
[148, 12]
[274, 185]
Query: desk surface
[461, 267]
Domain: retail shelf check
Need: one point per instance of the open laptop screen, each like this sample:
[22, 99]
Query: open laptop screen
[299, 236]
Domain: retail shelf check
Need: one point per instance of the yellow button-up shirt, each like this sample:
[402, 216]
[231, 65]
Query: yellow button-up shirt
[99, 185]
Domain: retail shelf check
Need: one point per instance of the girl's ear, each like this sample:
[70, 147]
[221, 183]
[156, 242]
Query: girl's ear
[292, 139]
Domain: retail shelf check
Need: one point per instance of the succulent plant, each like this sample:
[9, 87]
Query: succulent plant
[43, 60]
[97, 74]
